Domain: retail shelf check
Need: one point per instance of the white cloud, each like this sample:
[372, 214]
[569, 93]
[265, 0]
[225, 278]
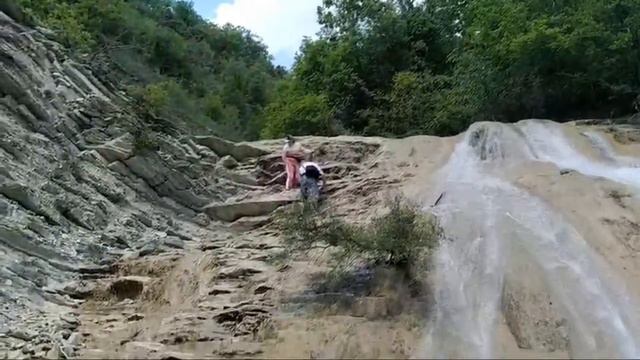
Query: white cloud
[280, 23]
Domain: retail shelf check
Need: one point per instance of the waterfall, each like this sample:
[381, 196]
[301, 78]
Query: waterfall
[549, 144]
[485, 217]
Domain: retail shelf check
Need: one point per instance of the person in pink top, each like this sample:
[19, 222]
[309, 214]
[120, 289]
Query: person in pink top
[292, 154]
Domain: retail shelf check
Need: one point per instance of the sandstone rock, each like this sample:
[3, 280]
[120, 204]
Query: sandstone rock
[173, 242]
[21, 194]
[151, 248]
[174, 355]
[143, 349]
[22, 334]
[528, 309]
[240, 151]
[202, 220]
[80, 213]
[179, 234]
[68, 351]
[229, 162]
[94, 354]
[54, 353]
[238, 314]
[144, 219]
[239, 271]
[71, 320]
[150, 167]
[238, 177]
[74, 339]
[167, 182]
[242, 349]
[250, 223]
[27, 198]
[233, 211]
[118, 149]
[79, 289]
[28, 349]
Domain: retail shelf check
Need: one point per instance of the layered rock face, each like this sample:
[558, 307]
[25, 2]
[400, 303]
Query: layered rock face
[89, 208]
[77, 191]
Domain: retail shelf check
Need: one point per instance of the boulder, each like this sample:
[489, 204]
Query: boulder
[240, 151]
[150, 167]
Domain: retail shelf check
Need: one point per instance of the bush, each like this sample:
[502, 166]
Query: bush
[298, 114]
[397, 238]
[144, 141]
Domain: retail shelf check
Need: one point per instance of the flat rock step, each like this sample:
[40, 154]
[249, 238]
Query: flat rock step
[249, 208]
[222, 147]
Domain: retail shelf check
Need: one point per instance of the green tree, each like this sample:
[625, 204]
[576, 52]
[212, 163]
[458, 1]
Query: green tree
[175, 61]
[298, 114]
[559, 59]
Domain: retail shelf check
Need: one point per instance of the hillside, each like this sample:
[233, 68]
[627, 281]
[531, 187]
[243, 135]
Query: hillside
[174, 64]
[391, 68]
[118, 240]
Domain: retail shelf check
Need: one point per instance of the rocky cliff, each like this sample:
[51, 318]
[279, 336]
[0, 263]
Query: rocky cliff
[121, 238]
[98, 211]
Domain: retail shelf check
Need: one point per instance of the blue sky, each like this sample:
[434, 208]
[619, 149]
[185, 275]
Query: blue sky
[280, 23]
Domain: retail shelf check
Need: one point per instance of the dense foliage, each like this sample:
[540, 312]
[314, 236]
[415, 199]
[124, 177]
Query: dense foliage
[176, 64]
[377, 67]
[399, 67]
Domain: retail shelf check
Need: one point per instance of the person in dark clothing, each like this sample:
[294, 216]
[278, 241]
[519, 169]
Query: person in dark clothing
[311, 180]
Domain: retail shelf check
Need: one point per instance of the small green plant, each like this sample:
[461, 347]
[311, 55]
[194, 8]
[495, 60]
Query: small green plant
[144, 141]
[402, 232]
[396, 238]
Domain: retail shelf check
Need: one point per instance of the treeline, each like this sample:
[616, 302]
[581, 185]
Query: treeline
[402, 67]
[177, 65]
[378, 67]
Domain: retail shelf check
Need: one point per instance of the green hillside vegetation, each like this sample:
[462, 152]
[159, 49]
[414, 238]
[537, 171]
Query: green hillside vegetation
[403, 67]
[177, 65]
[377, 67]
